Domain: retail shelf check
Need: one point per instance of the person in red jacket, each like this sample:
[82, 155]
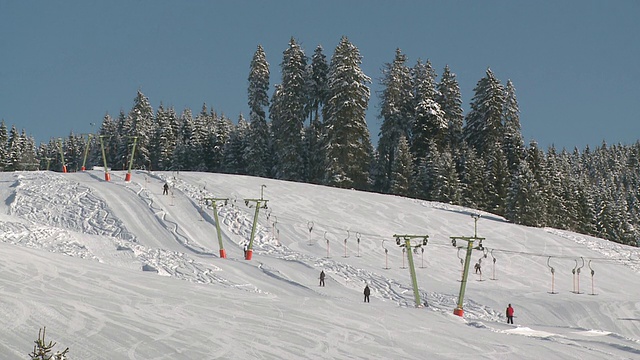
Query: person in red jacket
[509, 314]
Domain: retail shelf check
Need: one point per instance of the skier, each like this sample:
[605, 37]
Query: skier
[477, 267]
[509, 314]
[165, 190]
[246, 247]
[322, 278]
[367, 291]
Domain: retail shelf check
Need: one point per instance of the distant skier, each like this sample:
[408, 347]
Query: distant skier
[477, 267]
[246, 248]
[165, 190]
[322, 278]
[509, 314]
[367, 292]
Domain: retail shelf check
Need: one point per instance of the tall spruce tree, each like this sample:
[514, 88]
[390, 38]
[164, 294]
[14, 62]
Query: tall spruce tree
[396, 113]
[317, 83]
[349, 149]
[524, 203]
[429, 125]
[258, 153]
[4, 138]
[234, 162]
[138, 124]
[446, 185]
[450, 100]
[288, 114]
[401, 176]
[483, 129]
[314, 141]
[14, 150]
[513, 144]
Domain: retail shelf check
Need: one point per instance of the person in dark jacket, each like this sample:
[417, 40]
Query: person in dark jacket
[322, 278]
[165, 189]
[509, 314]
[367, 292]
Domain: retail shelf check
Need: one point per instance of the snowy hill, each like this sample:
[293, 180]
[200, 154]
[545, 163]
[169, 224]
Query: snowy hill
[116, 270]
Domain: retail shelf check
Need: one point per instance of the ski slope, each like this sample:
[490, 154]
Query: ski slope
[116, 270]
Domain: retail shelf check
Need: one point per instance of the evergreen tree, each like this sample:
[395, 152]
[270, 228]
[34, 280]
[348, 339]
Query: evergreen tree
[402, 168]
[317, 83]
[218, 139]
[164, 139]
[349, 149]
[430, 124]
[450, 100]
[446, 185]
[496, 181]
[473, 179]
[483, 129]
[182, 157]
[524, 203]
[196, 145]
[14, 150]
[288, 114]
[513, 145]
[27, 151]
[314, 141]
[258, 153]
[396, 114]
[4, 139]
[138, 124]
[234, 162]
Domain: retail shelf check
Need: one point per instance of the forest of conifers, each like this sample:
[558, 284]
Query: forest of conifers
[313, 129]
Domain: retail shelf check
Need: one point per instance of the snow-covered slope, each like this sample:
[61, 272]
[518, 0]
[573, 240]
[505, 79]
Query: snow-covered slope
[116, 270]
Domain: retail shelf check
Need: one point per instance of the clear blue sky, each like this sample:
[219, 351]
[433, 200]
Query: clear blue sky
[64, 64]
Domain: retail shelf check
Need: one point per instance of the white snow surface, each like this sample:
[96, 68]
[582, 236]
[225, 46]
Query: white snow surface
[116, 270]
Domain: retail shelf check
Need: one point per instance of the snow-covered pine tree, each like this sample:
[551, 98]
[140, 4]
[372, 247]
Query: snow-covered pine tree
[537, 163]
[313, 143]
[483, 129]
[28, 159]
[73, 147]
[138, 123]
[402, 172]
[513, 145]
[396, 112]
[258, 154]
[445, 187]
[429, 119]
[473, 179]
[288, 114]
[450, 100]
[317, 83]
[218, 139]
[234, 148]
[164, 139]
[496, 180]
[196, 144]
[524, 203]
[181, 159]
[14, 150]
[4, 138]
[349, 149]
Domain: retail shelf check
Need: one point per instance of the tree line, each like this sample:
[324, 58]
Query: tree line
[312, 129]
